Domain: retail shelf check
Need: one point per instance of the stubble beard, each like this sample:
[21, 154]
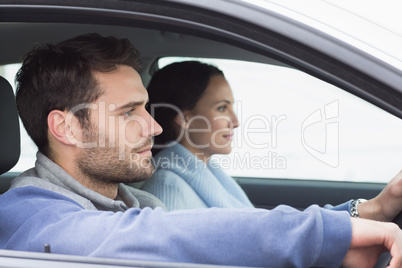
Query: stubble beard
[103, 164]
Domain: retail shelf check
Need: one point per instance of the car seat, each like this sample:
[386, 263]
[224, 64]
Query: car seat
[9, 128]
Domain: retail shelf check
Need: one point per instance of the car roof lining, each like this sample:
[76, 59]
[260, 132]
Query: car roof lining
[152, 43]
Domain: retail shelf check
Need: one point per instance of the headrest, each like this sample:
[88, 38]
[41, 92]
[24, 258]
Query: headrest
[9, 128]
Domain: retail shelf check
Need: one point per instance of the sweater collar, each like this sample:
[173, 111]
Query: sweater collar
[48, 175]
[209, 181]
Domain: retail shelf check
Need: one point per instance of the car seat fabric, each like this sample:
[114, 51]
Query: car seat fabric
[9, 128]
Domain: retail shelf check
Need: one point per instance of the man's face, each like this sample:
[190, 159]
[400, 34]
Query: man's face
[120, 135]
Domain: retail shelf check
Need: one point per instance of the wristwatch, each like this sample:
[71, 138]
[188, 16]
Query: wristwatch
[353, 207]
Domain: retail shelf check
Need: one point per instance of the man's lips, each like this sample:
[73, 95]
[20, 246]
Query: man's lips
[146, 150]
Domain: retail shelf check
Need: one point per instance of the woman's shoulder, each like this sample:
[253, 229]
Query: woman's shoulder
[165, 177]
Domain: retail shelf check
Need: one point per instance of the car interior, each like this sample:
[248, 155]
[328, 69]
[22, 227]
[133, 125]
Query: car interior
[158, 37]
[10, 141]
[154, 44]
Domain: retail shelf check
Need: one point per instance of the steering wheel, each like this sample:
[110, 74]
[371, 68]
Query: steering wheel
[385, 258]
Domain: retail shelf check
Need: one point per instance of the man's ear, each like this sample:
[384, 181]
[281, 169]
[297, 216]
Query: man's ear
[61, 127]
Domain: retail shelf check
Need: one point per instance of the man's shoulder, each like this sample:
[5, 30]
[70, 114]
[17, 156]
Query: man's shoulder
[28, 197]
[29, 182]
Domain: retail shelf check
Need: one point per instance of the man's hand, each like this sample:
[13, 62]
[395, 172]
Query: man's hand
[386, 205]
[369, 240]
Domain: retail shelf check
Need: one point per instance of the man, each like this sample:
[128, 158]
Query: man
[83, 103]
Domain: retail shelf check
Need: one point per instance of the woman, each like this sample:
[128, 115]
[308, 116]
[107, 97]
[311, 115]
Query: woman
[193, 102]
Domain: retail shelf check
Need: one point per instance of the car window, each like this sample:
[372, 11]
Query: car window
[293, 125]
[28, 147]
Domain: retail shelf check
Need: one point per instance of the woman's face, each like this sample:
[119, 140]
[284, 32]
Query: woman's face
[210, 125]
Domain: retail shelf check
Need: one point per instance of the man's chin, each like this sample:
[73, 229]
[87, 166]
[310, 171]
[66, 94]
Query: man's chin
[137, 178]
[144, 173]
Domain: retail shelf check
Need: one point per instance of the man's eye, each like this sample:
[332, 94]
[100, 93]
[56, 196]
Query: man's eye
[129, 113]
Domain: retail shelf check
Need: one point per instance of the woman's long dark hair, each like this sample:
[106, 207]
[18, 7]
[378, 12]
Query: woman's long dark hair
[180, 85]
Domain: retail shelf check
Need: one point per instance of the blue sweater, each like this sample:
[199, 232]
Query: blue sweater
[69, 218]
[182, 181]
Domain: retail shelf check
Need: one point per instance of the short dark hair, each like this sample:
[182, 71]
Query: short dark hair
[61, 77]
[181, 84]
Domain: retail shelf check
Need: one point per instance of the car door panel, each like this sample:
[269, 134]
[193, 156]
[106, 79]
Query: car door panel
[268, 193]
